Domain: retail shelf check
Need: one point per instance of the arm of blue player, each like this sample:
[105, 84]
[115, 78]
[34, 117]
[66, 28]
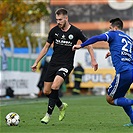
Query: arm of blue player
[94, 39]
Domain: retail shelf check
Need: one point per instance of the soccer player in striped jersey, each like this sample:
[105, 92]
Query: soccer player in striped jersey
[121, 51]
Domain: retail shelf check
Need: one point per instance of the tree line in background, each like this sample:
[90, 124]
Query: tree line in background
[17, 15]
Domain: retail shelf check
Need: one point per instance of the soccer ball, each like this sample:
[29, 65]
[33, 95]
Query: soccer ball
[12, 119]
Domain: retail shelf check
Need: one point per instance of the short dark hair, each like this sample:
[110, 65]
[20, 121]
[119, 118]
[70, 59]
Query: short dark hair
[61, 11]
[117, 22]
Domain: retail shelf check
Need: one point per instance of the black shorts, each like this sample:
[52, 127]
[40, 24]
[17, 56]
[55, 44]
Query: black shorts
[54, 69]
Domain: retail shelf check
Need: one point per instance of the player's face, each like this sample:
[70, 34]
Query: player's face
[61, 20]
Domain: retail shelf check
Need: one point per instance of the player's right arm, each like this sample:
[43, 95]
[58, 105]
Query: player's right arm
[40, 56]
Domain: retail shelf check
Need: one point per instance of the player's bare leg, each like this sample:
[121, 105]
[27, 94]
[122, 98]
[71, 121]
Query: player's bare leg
[47, 91]
[54, 99]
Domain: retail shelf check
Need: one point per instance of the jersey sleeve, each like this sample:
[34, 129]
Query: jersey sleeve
[51, 36]
[81, 36]
[110, 35]
[94, 39]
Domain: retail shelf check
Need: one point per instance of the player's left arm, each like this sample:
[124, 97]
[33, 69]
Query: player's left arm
[83, 38]
[94, 63]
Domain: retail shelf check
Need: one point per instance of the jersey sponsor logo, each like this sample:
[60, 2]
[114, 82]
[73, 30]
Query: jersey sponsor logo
[63, 42]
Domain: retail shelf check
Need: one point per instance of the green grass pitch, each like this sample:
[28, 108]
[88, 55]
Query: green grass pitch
[85, 114]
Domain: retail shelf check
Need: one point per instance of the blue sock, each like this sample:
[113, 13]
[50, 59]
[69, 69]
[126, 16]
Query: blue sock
[129, 112]
[123, 102]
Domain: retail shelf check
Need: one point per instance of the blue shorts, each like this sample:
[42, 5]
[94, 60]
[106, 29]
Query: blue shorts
[121, 84]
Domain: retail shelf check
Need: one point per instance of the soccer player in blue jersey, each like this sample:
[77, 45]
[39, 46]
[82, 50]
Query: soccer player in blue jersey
[121, 51]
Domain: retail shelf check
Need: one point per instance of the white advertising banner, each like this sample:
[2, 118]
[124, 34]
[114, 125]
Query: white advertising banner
[22, 83]
[83, 56]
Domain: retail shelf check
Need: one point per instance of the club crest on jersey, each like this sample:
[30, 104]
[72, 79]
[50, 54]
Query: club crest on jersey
[70, 36]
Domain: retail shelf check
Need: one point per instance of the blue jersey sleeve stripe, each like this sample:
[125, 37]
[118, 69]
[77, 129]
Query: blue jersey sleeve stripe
[107, 37]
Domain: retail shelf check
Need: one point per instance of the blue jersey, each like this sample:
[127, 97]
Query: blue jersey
[121, 48]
